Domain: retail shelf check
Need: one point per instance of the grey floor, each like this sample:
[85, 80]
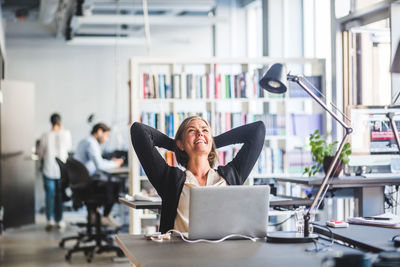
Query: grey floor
[31, 245]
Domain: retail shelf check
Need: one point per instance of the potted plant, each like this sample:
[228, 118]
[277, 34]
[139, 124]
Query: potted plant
[323, 154]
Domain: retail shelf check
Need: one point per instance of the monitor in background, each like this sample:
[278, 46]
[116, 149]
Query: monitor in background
[373, 142]
[121, 154]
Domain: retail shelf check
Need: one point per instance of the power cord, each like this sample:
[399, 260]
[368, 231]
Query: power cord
[167, 236]
[282, 222]
[323, 247]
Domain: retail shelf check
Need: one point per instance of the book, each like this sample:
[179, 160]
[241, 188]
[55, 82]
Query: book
[168, 86]
[176, 85]
[242, 85]
[169, 158]
[189, 86]
[296, 91]
[161, 85]
[386, 220]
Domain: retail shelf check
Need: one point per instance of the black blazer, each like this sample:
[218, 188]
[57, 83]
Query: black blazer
[169, 181]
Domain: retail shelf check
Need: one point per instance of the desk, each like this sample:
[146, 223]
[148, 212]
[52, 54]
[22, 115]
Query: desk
[274, 202]
[176, 252]
[121, 173]
[368, 191]
[117, 172]
[119, 176]
[141, 205]
[370, 238]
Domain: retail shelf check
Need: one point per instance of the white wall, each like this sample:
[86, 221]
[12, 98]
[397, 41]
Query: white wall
[285, 28]
[230, 36]
[79, 80]
[395, 38]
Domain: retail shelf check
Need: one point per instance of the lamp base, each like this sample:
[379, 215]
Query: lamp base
[290, 237]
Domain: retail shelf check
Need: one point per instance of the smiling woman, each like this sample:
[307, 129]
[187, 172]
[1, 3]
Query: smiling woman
[195, 149]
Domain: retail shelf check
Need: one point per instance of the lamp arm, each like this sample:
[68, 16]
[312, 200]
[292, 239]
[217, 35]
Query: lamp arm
[323, 188]
[296, 79]
[390, 116]
[348, 130]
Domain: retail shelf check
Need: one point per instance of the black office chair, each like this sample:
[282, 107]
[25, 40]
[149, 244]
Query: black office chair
[65, 198]
[83, 193]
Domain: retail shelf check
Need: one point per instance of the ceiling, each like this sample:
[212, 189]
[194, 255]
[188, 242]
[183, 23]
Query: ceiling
[106, 19]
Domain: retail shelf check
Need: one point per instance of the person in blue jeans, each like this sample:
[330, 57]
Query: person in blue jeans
[54, 143]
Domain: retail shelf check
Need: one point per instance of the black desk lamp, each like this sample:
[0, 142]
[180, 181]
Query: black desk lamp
[275, 81]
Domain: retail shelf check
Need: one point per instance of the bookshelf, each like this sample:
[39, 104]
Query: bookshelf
[225, 91]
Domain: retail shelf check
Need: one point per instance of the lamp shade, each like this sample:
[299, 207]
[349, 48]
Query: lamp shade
[275, 79]
[396, 61]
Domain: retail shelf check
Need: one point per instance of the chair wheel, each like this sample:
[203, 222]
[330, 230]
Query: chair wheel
[89, 259]
[89, 256]
[67, 257]
[120, 253]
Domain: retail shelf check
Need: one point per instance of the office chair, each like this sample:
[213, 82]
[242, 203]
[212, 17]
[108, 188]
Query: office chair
[83, 193]
[65, 198]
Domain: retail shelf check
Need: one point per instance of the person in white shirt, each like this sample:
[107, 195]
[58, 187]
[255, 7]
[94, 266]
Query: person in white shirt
[89, 153]
[54, 143]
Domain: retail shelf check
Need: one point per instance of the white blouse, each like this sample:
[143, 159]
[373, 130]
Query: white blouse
[182, 216]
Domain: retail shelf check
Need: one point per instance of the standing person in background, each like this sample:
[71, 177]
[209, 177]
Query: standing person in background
[54, 143]
[89, 153]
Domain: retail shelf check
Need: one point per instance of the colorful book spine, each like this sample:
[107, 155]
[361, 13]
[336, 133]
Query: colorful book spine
[208, 86]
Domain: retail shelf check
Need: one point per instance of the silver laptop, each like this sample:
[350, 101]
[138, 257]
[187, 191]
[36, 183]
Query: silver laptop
[216, 212]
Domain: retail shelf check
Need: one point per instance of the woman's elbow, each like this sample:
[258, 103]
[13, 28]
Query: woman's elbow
[260, 128]
[135, 131]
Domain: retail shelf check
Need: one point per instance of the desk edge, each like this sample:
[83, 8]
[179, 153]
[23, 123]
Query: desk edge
[126, 251]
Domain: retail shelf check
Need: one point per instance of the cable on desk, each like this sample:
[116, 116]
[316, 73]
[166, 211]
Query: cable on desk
[393, 238]
[316, 242]
[282, 222]
[169, 232]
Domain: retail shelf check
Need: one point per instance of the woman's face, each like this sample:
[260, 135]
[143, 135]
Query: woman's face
[196, 138]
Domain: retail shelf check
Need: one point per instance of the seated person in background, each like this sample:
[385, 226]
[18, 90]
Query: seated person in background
[195, 149]
[89, 153]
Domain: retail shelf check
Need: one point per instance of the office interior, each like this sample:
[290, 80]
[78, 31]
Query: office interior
[85, 60]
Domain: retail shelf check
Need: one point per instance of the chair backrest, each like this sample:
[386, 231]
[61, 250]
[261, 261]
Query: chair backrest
[78, 175]
[64, 179]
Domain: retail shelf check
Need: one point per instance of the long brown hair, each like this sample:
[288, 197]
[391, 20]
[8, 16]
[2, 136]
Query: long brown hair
[181, 156]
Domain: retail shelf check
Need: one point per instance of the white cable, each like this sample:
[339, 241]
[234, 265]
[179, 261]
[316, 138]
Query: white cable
[254, 239]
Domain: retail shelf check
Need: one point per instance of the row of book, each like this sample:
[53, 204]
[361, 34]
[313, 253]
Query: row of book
[172, 121]
[297, 159]
[274, 161]
[270, 160]
[274, 123]
[214, 86]
[224, 121]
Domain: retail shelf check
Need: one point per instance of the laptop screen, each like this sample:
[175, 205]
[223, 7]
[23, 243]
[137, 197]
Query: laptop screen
[216, 212]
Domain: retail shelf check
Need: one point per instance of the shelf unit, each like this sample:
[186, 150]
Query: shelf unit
[211, 72]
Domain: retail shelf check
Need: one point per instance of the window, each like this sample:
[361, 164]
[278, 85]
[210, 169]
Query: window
[254, 44]
[367, 53]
